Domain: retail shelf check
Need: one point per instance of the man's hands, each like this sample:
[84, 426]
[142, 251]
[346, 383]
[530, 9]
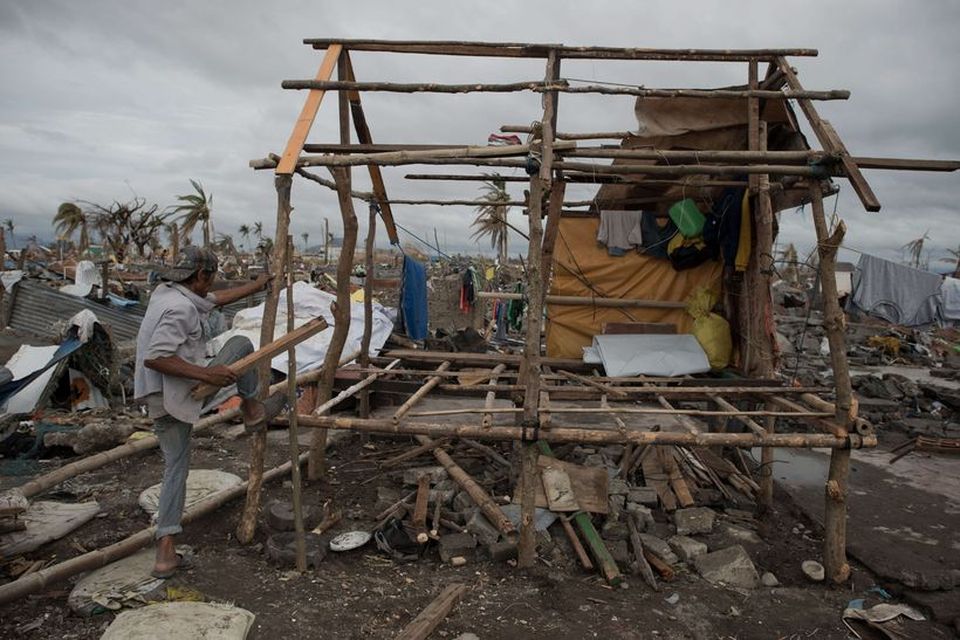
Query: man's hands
[263, 281]
[219, 376]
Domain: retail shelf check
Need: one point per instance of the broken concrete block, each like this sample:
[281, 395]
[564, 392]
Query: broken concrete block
[502, 551]
[658, 547]
[445, 496]
[647, 496]
[769, 580]
[479, 526]
[694, 521]
[731, 566]
[738, 535]
[687, 549]
[642, 516]
[613, 530]
[412, 476]
[456, 544]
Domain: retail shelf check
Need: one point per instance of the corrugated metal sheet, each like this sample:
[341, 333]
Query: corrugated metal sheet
[38, 308]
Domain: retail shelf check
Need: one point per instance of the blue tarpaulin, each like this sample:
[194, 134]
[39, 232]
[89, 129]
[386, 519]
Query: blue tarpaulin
[413, 299]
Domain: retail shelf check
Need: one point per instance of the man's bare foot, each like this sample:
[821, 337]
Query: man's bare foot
[167, 559]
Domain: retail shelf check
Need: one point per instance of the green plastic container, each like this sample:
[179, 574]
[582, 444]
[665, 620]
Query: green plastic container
[687, 217]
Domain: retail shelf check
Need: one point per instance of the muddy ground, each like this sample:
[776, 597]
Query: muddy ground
[364, 594]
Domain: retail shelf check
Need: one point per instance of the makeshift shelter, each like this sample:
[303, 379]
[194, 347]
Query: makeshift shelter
[709, 138]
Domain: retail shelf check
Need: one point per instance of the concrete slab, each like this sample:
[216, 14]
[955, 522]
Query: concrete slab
[901, 532]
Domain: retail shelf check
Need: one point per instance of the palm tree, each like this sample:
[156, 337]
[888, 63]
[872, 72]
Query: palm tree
[491, 217]
[955, 259]
[69, 218]
[8, 223]
[258, 230]
[173, 234]
[196, 209]
[306, 237]
[914, 249]
[245, 234]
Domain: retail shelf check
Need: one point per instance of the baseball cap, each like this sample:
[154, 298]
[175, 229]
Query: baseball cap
[191, 260]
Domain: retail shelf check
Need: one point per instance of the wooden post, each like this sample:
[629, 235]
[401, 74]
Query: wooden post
[300, 541]
[835, 510]
[341, 315]
[765, 334]
[258, 442]
[527, 551]
[368, 306]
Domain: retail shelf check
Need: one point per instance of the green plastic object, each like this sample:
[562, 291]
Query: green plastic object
[687, 217]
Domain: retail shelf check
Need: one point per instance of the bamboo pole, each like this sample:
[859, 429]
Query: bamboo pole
[258, 443]
[596, 436]
[835, 510]
[352, 390]
[364, 408]
[90, 463]
[341, 314]
[487, 419]
[421, 392]
[428, 619]
[100, 557]
[562, 87]
[293, 433]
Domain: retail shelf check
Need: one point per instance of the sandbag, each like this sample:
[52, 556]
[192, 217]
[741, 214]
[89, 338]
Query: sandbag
[711, 330]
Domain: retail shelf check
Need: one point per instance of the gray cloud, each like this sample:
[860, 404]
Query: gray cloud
[105, 99]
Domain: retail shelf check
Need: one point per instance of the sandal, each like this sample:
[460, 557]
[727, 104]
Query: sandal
[272, 407]
[185, 560]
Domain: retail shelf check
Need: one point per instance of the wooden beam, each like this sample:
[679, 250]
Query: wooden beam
[364, 136]
[831, 142]
[341, 315]
[275, 348]
[542, 50]
[370, 271]
[561, 87]
[428, 619]
[308, 113]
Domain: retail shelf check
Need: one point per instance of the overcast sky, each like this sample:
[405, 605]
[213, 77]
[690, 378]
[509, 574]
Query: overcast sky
[104, 100]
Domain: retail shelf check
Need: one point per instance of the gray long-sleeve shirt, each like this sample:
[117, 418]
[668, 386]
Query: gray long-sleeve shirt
[171, 327]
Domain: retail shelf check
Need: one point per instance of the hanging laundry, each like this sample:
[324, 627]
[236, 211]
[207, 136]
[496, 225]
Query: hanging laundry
[894, 292]
[469, 285]
[497, 139]
[655, 234]
[721, 231]
[413, 299]
[515, 309]
[620, 231]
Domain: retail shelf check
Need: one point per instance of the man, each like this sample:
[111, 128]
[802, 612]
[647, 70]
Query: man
[171, 354]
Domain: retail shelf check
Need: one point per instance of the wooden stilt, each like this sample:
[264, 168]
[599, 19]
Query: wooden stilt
[364, 408]
[258, 443]
[299, 539]
[835, 510]
[341, 315]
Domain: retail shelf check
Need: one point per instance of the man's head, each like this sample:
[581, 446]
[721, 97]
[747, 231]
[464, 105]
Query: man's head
[196, 268]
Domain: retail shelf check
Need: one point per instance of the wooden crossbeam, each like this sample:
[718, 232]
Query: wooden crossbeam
[542, 50]
[288, 161]
[561, 86]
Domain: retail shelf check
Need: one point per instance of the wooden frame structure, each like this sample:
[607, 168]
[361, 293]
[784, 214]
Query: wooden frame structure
[533, 382]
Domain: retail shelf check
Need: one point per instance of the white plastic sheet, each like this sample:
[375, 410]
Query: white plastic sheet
[87, 276]
[649, 354]
[25, 361]
[308, 303]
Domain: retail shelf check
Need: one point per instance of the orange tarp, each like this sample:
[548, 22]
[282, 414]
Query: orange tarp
[578, 257]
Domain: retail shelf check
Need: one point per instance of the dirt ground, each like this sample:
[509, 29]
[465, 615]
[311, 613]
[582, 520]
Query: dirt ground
[364, 594]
